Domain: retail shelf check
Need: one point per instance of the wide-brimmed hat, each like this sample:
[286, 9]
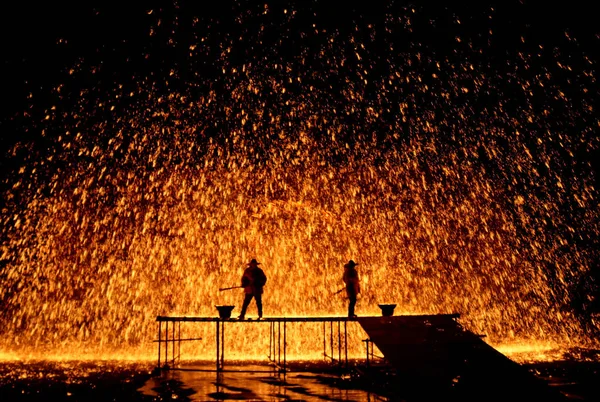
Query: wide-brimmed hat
[253, 262]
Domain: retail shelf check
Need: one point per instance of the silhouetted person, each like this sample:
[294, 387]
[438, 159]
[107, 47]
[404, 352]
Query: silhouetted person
[352, 282]
[253, 281]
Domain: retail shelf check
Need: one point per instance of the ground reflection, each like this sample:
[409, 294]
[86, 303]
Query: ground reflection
[254, 382]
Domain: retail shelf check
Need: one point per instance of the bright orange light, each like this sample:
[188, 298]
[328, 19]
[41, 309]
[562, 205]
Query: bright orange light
[150, 197]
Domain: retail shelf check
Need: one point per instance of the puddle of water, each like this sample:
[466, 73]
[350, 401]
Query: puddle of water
[254, 382]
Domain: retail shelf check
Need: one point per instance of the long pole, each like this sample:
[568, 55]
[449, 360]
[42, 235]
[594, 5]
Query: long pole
[229, 288]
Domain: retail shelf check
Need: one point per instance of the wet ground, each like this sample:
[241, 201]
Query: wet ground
[256, 382]
[73, 381]
[117, 381]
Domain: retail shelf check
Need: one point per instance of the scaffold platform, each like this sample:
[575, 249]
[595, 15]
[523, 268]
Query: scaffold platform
[424, 352]
[334, 332]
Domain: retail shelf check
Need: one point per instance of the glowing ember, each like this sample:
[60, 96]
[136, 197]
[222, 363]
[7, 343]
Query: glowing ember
[459, 184]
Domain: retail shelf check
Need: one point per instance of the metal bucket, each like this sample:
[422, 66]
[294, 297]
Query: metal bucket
[387, 310]
[225, 311]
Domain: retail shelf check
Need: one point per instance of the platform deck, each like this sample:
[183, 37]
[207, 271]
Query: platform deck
[335, 337]
[296, 319]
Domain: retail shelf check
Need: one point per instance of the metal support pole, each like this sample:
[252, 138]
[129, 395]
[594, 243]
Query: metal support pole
[331, 338]
[166, 343]
[284, 345]
[222, 344]
[173, 347]
[179, 341]
[346, 341]
[324, 343]
[279, 343]
[159, 341]
[339, 344]
[217, 344]
[273, 335]
[270, 340]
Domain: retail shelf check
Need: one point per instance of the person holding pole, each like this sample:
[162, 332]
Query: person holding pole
[253, 281]
[352, 282]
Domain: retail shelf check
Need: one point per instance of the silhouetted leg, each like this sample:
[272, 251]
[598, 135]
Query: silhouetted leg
[258, 298]
[247, 299]
[351, 304]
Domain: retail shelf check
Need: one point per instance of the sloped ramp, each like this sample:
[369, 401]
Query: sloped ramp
[434, 355]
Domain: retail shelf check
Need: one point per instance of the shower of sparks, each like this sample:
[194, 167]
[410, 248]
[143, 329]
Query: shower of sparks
[459, 182]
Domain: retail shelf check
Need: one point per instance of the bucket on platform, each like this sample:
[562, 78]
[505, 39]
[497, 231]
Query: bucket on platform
[387, 310]
[225, 311]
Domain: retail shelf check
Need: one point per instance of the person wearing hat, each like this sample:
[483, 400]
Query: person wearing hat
[253, 281]
[352, 282]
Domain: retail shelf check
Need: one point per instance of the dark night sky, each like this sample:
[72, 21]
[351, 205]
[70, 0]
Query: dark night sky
[33, 60]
